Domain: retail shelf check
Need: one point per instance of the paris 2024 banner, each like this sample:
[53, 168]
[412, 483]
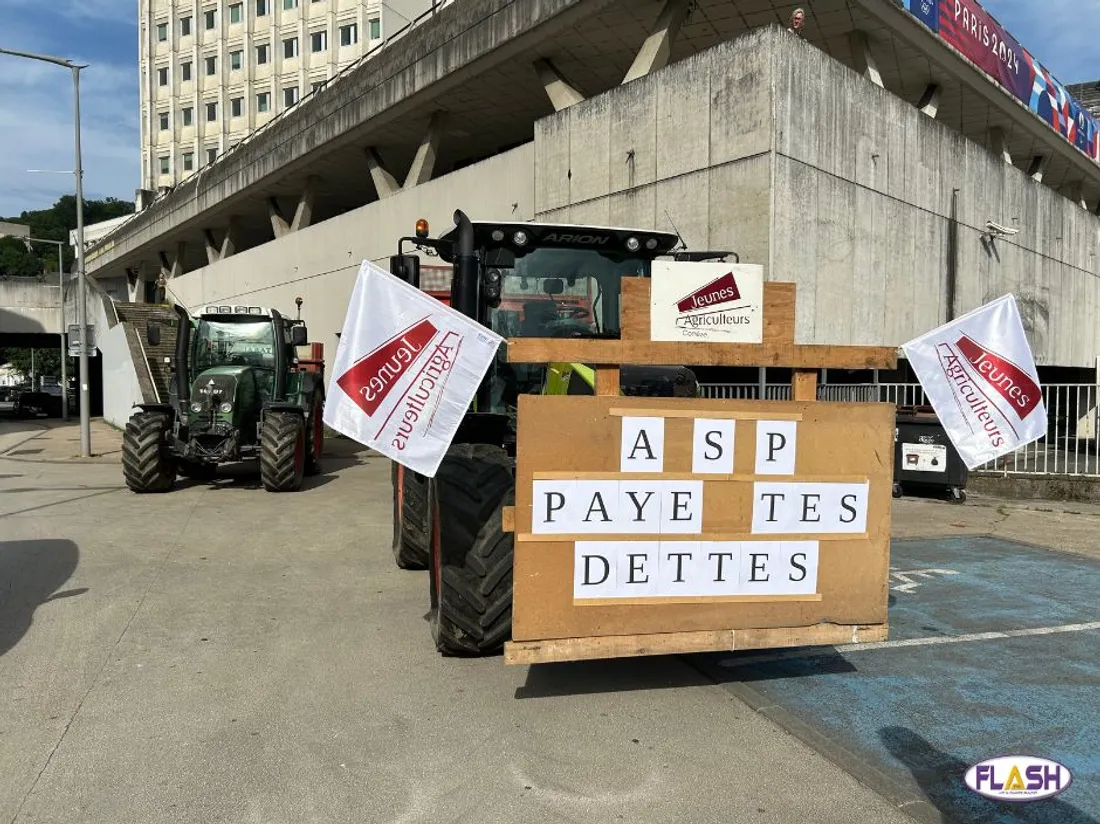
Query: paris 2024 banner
[972, 31]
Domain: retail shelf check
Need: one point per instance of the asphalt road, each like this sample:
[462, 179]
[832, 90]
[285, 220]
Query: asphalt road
[223, 654]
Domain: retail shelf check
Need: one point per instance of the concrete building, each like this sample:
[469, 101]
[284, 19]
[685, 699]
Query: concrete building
[1088, 94]
[215, 71]
[869, 160]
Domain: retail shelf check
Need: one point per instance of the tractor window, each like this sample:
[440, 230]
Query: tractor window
[220, 343]
[563, 293]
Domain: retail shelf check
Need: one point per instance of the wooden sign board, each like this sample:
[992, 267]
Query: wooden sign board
[648, 526]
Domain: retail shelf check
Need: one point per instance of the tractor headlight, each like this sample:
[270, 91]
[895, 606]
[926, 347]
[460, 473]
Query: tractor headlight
[651, 244]
[196, 407]
[520, 238]
[226, 407]
[632, 244]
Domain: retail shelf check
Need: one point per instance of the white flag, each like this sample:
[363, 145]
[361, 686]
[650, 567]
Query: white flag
[980, 376]
[406, 371]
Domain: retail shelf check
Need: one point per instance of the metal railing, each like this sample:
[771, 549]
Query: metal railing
[1070, 446]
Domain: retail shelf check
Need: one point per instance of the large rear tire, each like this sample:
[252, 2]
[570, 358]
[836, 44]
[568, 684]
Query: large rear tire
[410, 538]
[471, 558]
[282, 451]
[147, 465]
[316, 435]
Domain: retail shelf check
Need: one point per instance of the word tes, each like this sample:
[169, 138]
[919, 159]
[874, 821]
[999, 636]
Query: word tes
[693, 569]
[642, 448]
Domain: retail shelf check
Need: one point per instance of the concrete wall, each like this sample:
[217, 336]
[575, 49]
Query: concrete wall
[29, 307]
[121, 389]
[768, 147]
[320, 262]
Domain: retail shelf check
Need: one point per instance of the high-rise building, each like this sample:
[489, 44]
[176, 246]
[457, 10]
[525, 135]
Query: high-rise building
[214, 71]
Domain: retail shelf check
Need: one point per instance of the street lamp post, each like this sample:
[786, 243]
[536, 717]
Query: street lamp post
[82, 285]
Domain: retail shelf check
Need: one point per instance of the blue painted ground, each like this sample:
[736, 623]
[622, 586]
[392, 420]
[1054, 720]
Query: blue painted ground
[925, 714]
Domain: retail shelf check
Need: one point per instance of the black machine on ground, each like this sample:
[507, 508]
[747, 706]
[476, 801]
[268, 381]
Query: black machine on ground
[521, 280]
[238, 391]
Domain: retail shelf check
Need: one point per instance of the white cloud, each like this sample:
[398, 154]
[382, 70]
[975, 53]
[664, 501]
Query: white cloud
[36, 108]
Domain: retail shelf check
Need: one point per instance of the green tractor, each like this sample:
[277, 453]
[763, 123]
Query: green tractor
[238, 391]
[521, 280]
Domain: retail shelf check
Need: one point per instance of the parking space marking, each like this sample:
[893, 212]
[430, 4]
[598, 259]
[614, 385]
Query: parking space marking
[733, 663]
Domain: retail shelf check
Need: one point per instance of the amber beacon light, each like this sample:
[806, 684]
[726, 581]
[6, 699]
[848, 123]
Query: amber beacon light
[422, 228]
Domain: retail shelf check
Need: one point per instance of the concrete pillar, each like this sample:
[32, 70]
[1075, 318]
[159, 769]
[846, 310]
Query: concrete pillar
[1096, 211]
[303, 213]
[655, 51]
[133, 283]
[172, 266]
[999, 143]
[1038, 167]
[219, 251]
[562, 95]
[279, 225]
[930, 101]
[863, 60]
[384, 183]
[1079, 195]
[424, 162]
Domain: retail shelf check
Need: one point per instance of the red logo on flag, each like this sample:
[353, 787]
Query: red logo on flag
[1010, 381]
[722, 290]
[372, 378]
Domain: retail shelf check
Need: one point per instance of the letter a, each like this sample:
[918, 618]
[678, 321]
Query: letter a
[642, 448]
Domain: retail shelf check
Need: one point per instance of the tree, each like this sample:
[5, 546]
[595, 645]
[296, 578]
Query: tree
[46, 361]
[54, 223]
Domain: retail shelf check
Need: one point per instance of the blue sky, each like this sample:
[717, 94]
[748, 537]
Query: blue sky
[36, 98]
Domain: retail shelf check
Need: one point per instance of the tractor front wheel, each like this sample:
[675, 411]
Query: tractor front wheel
[282, 451]
[410, 533]
[471, 554]
[146, 464]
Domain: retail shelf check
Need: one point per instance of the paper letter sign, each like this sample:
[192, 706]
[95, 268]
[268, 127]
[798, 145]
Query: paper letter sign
[712, 447]
[807, 508]
[617, 507]
[643, 445]
[693, 569]
[776, 443]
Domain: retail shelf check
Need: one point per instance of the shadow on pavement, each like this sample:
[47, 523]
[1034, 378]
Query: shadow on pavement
[941, 779]
[609, 675]
[30, 574]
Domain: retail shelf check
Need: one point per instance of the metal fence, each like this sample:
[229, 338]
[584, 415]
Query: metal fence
[1069, 448]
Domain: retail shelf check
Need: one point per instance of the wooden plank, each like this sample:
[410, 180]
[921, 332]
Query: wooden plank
[617, 352]
[714, 414]
[635, 309]
[779, 317]
[607, 381]
[804, 386]
[508, 519]
[680, 643]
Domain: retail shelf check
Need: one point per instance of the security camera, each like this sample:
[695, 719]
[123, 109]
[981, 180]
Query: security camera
[997, 229]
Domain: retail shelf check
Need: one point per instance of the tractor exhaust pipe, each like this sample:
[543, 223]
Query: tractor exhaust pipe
[464, 283]
[183, 346]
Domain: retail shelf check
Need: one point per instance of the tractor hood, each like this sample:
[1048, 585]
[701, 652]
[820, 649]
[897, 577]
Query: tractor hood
[217, 384]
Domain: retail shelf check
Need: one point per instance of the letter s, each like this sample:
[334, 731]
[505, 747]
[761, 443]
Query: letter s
[398, 443]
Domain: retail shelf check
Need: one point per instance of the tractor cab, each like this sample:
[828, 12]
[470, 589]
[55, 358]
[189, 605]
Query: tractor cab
[544, 281]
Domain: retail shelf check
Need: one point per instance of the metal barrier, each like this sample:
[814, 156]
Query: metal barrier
[1069, 447]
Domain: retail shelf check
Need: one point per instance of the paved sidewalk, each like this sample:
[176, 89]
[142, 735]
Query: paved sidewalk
[52, 441]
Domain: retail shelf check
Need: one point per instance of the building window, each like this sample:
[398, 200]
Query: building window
[236, 106]
[211, 112]
[210, 18]
[185, 26]
[261, 54]
[375, 28]
[188, 161]
[318, 41]
[185, 68]
[211, 65]
[165, 166]
[236, 12]
[164, 121]
[211, 155]
[162, 77]
[188, 116]
[349, 35]
[290, 47]
[162, 32]
[261, 8]
[263, 101]
[235, 60]
[290, 96]
[290, 4]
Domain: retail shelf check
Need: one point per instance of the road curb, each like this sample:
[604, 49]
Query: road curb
[915, 805]
[30, 437]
